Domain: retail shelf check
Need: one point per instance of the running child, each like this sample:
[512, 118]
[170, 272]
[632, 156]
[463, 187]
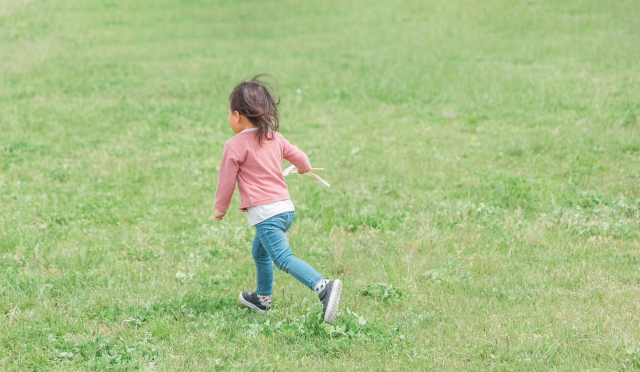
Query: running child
[252, 159]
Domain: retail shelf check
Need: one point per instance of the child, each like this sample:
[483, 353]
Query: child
[253, 159]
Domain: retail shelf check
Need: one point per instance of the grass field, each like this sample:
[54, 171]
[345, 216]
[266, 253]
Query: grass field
[484, 161]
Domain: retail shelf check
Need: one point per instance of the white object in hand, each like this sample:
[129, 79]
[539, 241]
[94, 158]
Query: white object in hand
[293, 169]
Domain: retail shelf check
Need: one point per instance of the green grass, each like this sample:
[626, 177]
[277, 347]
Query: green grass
[484, 158]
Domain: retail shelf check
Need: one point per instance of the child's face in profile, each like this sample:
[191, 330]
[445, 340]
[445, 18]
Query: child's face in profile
[234, 123]
[238, 122]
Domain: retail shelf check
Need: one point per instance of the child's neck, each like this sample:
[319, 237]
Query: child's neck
[242, 124]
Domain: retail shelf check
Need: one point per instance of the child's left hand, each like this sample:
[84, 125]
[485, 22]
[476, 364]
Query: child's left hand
[218, 215]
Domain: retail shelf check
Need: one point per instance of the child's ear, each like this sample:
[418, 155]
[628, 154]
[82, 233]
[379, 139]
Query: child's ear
[236, 116]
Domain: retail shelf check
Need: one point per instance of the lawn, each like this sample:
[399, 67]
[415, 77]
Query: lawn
[484, 161]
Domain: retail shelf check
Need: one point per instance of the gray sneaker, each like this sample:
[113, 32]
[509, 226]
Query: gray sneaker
[252, 301]
[330, 298]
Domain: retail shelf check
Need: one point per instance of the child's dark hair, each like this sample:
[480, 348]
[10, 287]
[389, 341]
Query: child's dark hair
[254, 99]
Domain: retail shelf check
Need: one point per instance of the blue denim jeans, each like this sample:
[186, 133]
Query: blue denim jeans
[270, 244]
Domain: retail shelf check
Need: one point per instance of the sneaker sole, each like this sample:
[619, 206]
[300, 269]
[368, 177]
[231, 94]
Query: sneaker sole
[249, 304]
[334, 301]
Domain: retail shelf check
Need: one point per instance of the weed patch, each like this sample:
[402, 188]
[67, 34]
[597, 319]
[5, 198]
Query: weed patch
[382, 291]
[103, 353]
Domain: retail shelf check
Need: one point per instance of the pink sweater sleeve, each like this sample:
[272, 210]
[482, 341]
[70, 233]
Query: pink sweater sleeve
[296, 156]
[227, 176]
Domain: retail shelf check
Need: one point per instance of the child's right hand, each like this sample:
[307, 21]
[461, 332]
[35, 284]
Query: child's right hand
[218, 215]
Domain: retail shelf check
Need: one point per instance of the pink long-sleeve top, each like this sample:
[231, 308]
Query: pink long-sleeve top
[257, 169]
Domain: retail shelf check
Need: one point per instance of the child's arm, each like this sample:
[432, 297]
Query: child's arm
[296, 157]
[227, 175]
